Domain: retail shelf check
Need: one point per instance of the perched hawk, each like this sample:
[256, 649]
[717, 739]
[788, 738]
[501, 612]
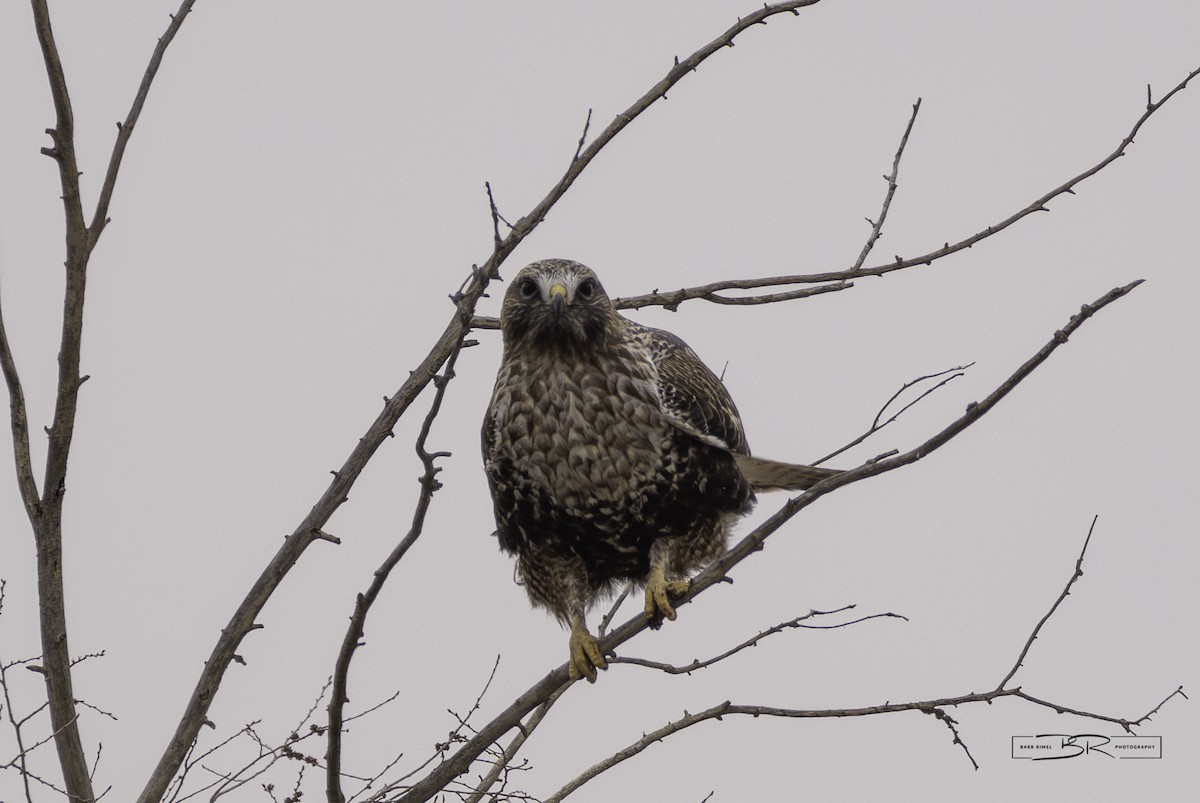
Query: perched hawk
[612, 452]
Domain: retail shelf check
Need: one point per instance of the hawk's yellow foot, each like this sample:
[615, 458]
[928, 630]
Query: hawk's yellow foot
[659, 591]
[586, 656]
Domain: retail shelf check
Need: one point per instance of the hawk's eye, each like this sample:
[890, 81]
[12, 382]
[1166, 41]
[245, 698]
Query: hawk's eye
[586, 289]
[528, 288]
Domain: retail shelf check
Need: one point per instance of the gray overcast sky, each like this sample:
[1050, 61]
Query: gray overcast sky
[305, 189]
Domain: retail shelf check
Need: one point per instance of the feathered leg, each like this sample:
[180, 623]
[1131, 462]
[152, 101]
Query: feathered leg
[559, 583]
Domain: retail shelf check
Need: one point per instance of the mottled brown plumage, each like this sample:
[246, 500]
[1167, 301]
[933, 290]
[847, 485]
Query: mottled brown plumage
[612, 452]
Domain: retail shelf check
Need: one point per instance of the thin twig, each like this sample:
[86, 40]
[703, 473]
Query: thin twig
[17, 761]
[268, 755]
[1066, 590]
[510, 752]
[26, 482]
[877, 425]
[455, 736]
[193, 760]
[952, 724]
[766, 298]
[583, 136]
[606, 620]
[100, 218]
[792, 624]
[497, 218]
[877, 224]
[354, 632]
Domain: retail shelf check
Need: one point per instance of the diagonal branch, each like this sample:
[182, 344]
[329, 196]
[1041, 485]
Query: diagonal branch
[1066, 590]
[518, 741]
[466, 299]
[125, 130]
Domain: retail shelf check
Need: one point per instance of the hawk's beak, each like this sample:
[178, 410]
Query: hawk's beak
[558, 297]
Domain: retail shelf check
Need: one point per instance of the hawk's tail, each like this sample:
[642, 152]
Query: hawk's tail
[771, 475]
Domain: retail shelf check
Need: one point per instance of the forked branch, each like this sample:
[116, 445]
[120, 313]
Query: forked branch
[45, 509]
[832, 281]
[880, 422]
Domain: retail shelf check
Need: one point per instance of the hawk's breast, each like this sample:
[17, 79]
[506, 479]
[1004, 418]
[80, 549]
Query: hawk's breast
[587, 440]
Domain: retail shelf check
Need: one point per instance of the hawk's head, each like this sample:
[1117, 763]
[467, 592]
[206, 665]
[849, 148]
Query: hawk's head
[556, 303]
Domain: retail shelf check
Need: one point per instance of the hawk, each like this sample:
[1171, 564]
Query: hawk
[613, 454]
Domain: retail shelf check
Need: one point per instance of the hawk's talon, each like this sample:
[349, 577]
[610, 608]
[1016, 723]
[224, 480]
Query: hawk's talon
[659, 592]
[586, 656]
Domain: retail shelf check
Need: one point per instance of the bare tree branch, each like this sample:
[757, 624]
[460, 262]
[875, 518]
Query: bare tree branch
[608, 617]
[26, 482]
[523, 733]
[721, 710]
[877, 424]
[125, 130]
[840, 280]
[47, 521]
[792, 624]
[18, 762]
[354, 633]
[951, 723]
[63, 133]
[1066, 590]
[192, 760]
[766, 298]
[935, 708]
[976, 410]
[455, 736]
[269, 754]
[877, 224]
[46, 512]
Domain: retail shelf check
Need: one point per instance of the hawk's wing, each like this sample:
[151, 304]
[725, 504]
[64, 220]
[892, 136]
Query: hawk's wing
[693, 398]
[696, 401]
